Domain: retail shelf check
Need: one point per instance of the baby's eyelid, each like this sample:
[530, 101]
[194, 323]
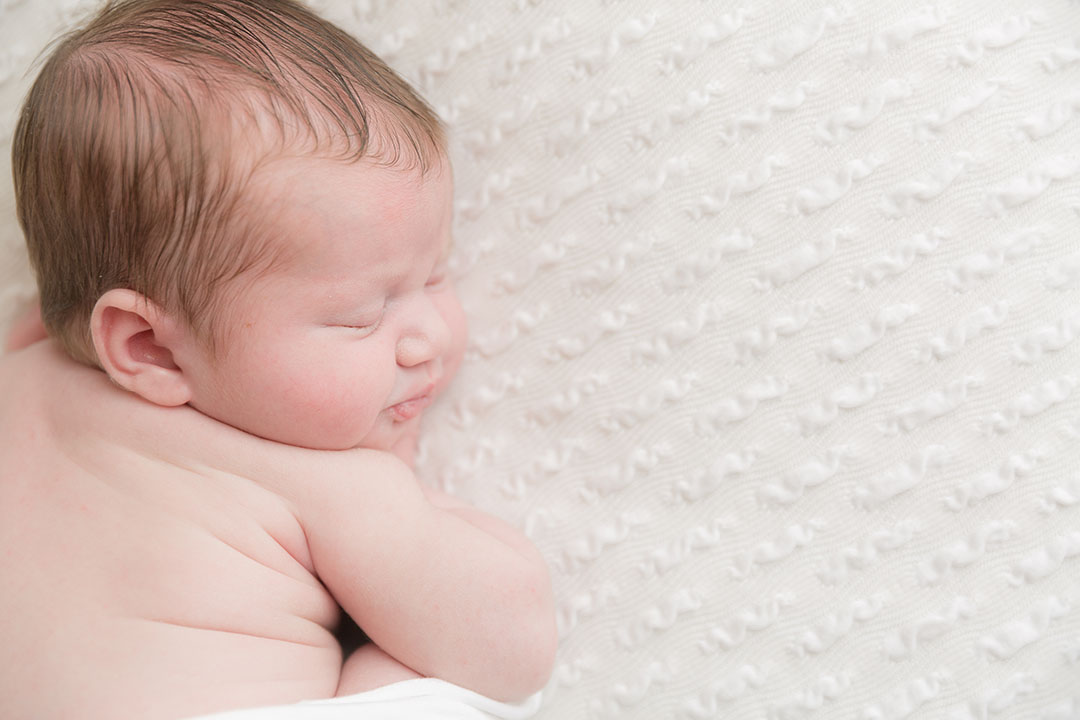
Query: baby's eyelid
[364, 329]
[369, 327]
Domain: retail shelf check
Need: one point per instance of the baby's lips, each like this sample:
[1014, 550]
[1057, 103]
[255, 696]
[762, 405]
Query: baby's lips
[412, 407]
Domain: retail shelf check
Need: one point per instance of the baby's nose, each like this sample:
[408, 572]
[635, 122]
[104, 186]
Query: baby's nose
[424, 337]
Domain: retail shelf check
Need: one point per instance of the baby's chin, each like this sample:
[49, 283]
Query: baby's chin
[396, 438]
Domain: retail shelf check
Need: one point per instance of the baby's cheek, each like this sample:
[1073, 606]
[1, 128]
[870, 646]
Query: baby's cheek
[344, 417]
[331, 394]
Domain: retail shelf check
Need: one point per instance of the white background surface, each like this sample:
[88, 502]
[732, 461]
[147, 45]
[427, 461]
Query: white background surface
[775, 313]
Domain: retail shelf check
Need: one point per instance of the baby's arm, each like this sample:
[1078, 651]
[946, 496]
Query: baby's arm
[449, 592]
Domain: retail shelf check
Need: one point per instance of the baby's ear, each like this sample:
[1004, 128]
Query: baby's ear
[135, 341]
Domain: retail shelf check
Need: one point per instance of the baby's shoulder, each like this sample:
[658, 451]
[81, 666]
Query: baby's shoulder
[32, 381]
[70, 437]
[58, 407]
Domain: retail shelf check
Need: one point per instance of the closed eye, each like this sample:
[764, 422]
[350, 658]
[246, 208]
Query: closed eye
[361, 329]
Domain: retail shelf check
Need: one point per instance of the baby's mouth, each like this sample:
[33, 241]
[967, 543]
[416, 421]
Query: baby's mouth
[408, 409]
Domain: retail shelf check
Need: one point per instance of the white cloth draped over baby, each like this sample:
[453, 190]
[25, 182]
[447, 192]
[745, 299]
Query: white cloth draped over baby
[775, 341]
[422, 699]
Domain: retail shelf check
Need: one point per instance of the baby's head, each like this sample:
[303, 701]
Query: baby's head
[233, 204]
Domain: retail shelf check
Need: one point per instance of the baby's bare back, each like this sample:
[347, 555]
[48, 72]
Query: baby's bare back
[145, 572]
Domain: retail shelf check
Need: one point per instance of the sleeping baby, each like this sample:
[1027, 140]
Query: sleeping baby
[239, 219]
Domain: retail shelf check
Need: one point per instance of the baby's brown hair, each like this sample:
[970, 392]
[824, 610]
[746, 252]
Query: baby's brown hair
[134, 147]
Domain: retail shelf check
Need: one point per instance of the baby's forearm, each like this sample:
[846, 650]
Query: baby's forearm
[503, 533]
[448, 591]
[486, 631]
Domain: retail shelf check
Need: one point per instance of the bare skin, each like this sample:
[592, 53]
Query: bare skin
[181, 530]
[160, 564]
[26, 330]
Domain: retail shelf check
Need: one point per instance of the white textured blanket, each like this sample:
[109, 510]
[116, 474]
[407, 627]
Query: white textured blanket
[776, 338]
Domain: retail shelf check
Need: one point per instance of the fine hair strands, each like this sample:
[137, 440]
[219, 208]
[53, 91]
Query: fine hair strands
[135, 147]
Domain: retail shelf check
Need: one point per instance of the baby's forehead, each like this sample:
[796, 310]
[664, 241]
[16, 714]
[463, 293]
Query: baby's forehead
[291, 197]
[291, 180]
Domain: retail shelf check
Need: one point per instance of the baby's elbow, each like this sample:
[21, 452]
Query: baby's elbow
[528, 672]
[537, 642]
[546, 650]
[541, 654]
